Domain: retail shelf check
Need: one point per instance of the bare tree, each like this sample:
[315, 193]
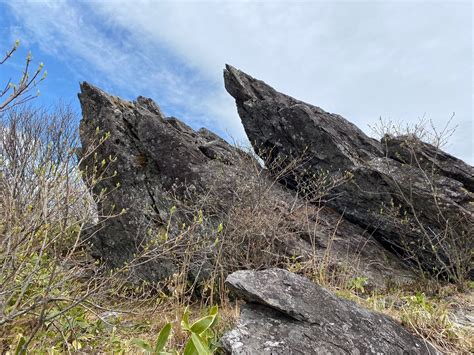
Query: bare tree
[14, 94]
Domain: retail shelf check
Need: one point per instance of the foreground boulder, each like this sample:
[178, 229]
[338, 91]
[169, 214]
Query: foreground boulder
[423, 211]
[288, 314]
[151, 173]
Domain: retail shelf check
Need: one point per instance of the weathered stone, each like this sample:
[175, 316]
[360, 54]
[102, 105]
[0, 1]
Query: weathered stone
[427, 208]
[288, 314]
[161, 162]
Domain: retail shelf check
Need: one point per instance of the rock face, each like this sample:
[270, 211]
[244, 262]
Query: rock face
[288, 314]
[160, 162]
[433, 207]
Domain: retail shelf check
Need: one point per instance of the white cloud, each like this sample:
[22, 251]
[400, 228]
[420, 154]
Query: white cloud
[67, 31]
[399, 60]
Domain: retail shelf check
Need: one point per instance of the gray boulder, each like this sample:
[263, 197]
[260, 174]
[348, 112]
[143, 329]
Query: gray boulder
[412, 213]
[288, 314]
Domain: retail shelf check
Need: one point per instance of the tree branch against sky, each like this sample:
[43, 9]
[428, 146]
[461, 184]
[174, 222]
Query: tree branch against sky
[17, 93]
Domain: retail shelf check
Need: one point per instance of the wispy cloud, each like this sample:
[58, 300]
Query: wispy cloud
[399, 60]
[109, 56]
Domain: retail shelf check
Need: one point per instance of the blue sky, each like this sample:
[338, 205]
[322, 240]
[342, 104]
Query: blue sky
[399, 60]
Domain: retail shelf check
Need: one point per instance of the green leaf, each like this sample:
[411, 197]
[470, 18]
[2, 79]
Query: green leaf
[196, 346]
[190, 349]
[201, 325]
[199, 345]
[143, 344]
[163, 338]
[19, 347]
[185, 320]
[213, 312]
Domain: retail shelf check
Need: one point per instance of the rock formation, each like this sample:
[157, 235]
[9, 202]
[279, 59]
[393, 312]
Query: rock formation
[409, 150]
[161, 162]
[288, 314]
[347, 203]
[158, 163]
[154, 176]
[415, 210]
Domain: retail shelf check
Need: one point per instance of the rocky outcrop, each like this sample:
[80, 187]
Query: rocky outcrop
[411, 211]
[158, 162]
[174, 200]
[288, 314]
[161, 163]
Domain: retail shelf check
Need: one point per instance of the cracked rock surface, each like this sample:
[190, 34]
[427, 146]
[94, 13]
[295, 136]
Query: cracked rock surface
[161, 162]
[158, 161]
[385, 175]
[288, 314]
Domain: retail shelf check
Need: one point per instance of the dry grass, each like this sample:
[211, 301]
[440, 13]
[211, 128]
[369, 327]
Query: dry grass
[427, 310]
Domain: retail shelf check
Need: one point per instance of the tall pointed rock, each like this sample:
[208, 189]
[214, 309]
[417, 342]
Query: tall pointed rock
[434, 210]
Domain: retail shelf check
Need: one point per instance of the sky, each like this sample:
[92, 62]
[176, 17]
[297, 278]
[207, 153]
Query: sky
[365, 60]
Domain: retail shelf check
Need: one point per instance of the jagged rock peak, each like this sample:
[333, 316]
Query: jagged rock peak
[274, 121]
[432, 194]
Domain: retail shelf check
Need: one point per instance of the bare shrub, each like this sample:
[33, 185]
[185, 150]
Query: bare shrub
[44, 210]
[450, 239]
[263, 224]
[424, 130]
